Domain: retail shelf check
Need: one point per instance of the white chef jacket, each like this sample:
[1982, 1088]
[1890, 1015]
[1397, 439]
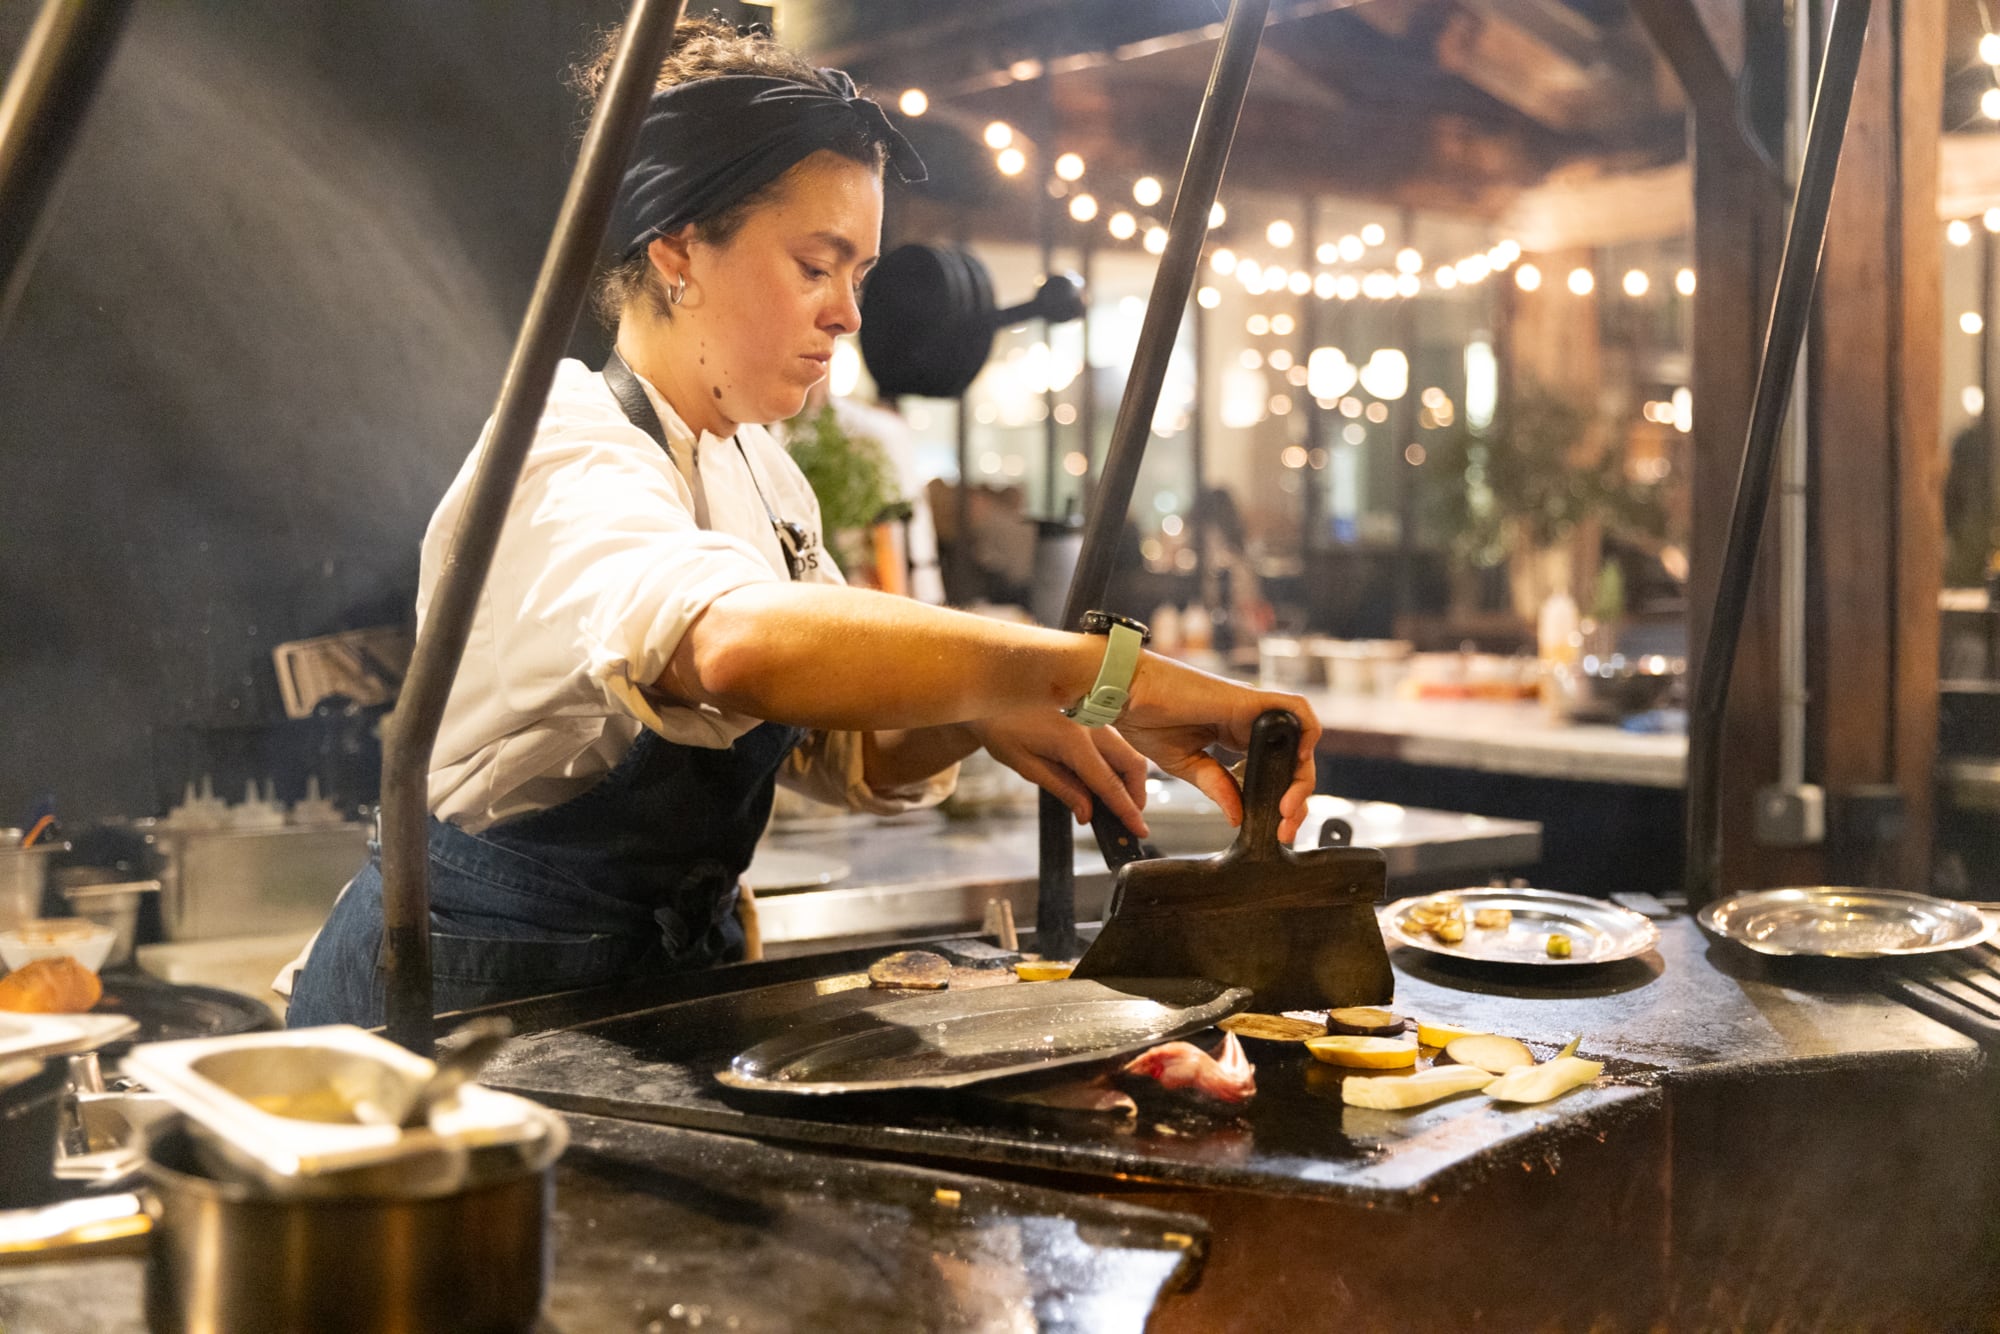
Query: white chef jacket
[600, 570]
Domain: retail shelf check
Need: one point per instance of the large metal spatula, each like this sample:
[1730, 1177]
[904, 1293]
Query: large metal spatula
[1297, 928]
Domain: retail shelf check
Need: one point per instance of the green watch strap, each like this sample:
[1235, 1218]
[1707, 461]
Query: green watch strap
[1108, 697]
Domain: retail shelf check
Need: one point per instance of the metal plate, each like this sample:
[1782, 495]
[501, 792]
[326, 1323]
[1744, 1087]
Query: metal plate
[1599, 932]
[776, 869]
[952, 1038]
[1834, 923]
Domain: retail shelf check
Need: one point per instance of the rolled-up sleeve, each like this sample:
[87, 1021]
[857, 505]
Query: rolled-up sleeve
[832, 767]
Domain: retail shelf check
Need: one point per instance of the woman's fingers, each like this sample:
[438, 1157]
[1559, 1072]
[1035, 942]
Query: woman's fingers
[1206, 772]
[1111, 785]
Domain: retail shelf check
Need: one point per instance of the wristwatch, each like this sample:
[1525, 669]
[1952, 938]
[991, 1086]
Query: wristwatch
[1124, 640]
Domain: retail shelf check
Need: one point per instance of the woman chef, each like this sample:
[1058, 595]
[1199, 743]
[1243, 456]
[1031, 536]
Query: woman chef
[663, 636]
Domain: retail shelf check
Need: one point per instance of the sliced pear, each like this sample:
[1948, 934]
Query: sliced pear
[1364, 1053]
[1490, 1052]
[1539, 1083]
[1425, 1086]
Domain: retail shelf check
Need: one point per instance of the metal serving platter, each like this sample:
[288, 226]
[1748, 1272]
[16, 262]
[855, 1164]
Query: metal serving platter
[949, 1039]
[1599, 932]
[1830, 922]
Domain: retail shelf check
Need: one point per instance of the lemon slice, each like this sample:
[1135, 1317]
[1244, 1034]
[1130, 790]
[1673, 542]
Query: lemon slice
[1364, 1053]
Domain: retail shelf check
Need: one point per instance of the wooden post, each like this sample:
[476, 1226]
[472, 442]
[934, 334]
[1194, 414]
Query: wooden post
[1876, 485]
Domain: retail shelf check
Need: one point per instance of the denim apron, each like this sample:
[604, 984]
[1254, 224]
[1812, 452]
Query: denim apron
[637, 874]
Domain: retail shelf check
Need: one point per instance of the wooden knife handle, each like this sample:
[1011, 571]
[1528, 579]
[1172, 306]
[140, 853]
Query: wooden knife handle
[1273, 757]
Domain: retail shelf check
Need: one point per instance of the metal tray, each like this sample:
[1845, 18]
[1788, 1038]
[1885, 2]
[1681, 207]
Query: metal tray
[1599, 932]
[949, 1039]
[1830, 922]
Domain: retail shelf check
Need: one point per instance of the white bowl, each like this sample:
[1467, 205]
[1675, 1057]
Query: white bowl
[88, 942]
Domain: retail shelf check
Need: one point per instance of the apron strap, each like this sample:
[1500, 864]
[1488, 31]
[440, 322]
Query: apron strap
[638, 409]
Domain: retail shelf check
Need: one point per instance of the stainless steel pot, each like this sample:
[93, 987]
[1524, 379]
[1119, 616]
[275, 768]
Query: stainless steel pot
[228, 1255]
[24, 873]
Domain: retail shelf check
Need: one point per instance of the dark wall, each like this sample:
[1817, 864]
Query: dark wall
[280, 287]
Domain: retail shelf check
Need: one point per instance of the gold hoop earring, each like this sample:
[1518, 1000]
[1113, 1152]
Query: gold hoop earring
[677, 292]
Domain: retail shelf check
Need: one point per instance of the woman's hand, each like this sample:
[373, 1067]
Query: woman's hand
[1177, 713]
[1076, 763]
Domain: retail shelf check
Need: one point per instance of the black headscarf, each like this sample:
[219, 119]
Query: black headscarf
[708, 143]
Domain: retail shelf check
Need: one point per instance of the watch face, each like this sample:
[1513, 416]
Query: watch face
[1100, 623]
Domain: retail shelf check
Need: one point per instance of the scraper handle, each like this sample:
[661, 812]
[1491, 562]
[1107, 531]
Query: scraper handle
[1273, 757]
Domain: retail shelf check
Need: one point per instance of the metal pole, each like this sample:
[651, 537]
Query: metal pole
[1791, 306]
[1792, 490]
[559, 292]
[1187, 229]
[42, 109]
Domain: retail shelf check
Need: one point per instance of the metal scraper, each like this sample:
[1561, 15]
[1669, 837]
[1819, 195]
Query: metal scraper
[1297, 928]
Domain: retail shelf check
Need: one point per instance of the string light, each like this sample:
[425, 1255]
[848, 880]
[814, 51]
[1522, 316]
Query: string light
[1299, 283]
[1971, 322]
[1989, 104]
[1528, 278]
[1409, 285]
[1281, 325]
[1327, 252]
[1208, 298]
[1011, 161]
[1684, 282]
[1156, 240]
[1146, 191]
[1217, 214]
[1958, 231]
[1324, 286]
[1446, 277]
[1351, 248]
[1083, 207]
[1582, 282]
[913, 102]
[1409, 261]
[1258, 325]
[1279, 233]
[1223, 260]
[1069, 167]
[1992, 219]
[1123, 225]
[999, 134]
[1373, 234]
[1989, 48]
[1637, 284]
